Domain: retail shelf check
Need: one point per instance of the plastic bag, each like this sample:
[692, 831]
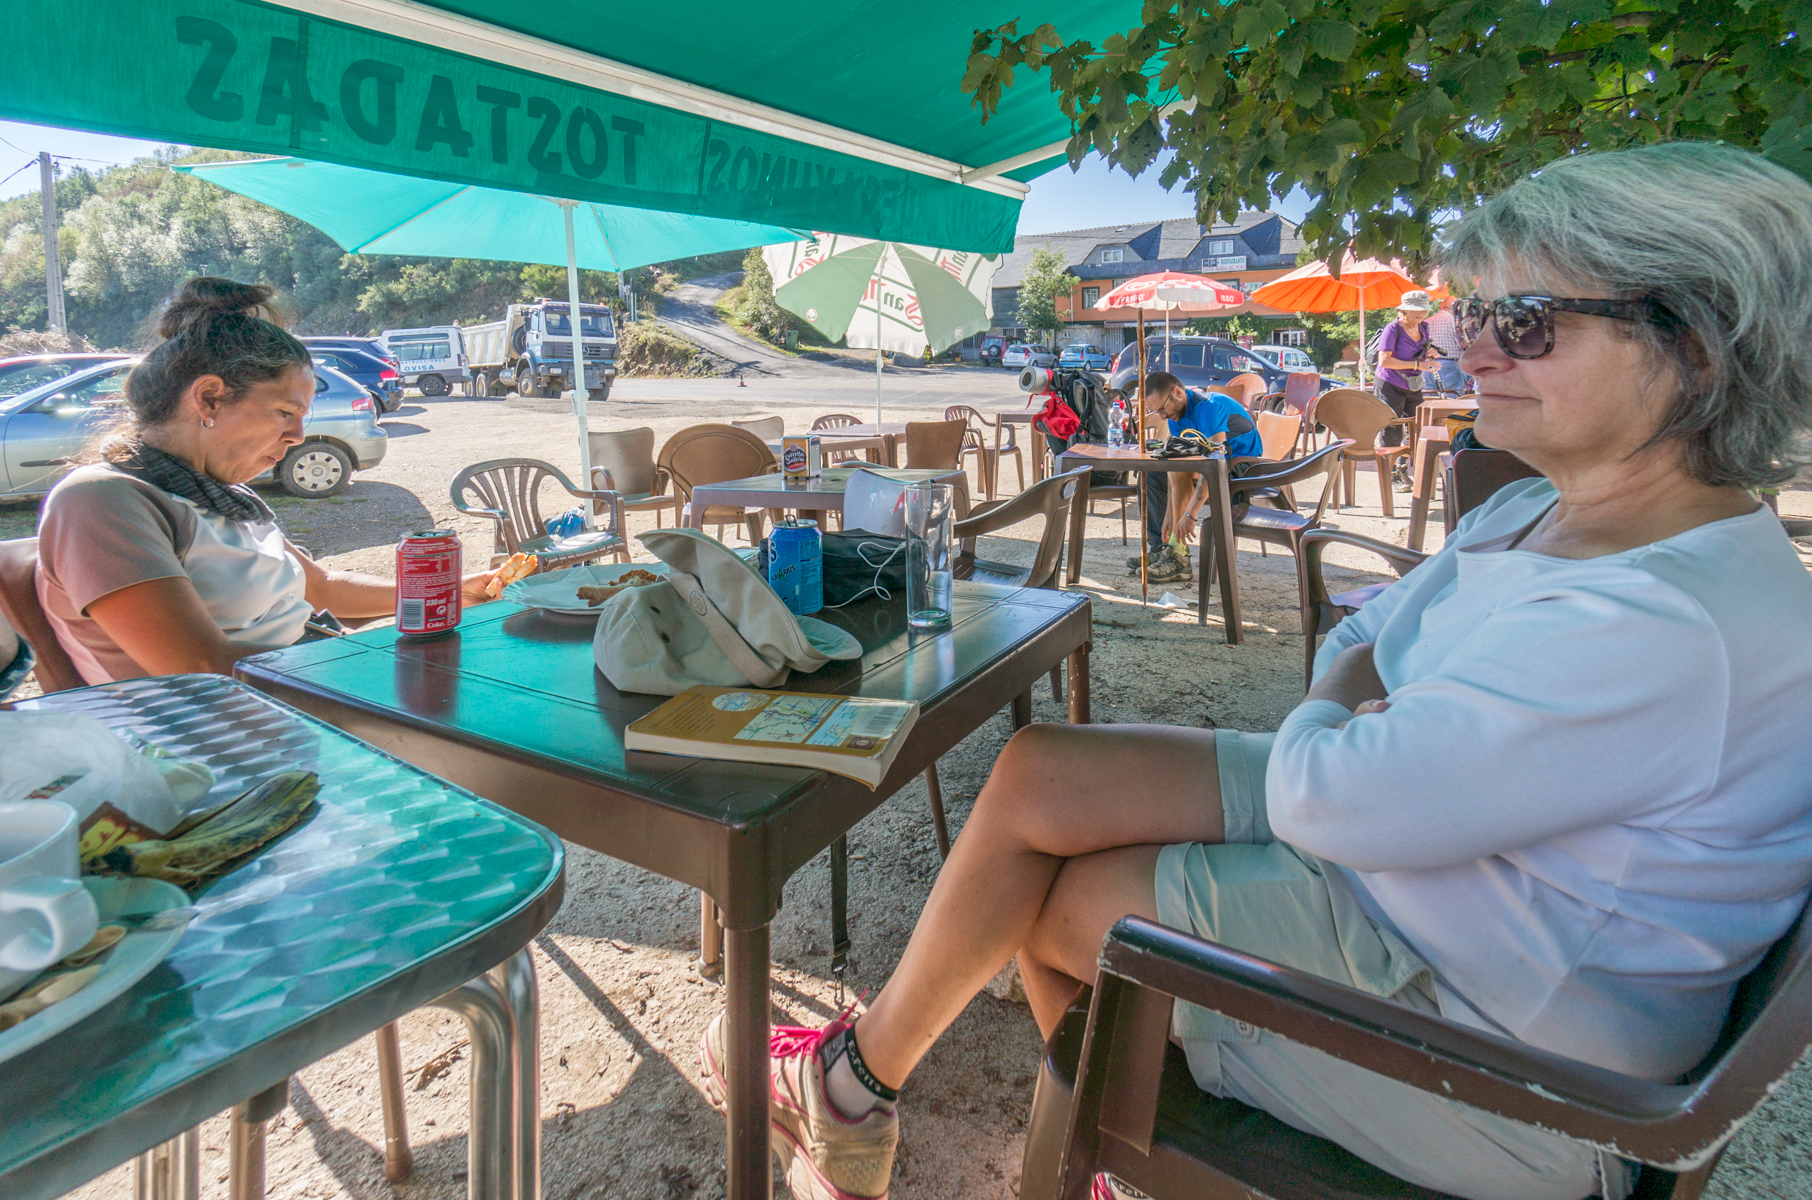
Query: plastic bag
[119, 793]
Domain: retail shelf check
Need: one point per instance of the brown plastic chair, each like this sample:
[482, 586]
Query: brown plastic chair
[1358, 417]
[508, 491]
[1322, 610]
[1279, 432]
[1470, 477]
[1264, 524]
[935, 445]
[1248, 389]
[622, 461]
[703, 454]
[979, 443]
[840, 421]
[1114, 1095]
[19, 605]
[1050, 499]
[768, 429]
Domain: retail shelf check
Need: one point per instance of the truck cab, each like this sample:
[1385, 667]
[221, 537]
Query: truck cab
[531, 349]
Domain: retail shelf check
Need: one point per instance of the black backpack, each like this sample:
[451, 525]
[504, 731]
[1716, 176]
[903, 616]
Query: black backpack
[1085, 393]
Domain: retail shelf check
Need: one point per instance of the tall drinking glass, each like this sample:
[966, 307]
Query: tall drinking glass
[929, 507]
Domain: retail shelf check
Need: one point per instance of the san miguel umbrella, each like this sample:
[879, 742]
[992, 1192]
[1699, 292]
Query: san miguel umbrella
[373, 212]
[887, 295]
[1169, 291]
[1363, 283]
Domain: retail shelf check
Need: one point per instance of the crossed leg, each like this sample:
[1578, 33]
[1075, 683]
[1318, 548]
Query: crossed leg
[1063, 841]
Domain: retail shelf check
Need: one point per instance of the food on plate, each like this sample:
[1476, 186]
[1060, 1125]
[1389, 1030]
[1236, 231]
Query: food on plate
[516, 566]
[195, 853]
[634, 577]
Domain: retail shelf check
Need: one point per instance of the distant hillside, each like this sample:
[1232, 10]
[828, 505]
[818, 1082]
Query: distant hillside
[130, 235]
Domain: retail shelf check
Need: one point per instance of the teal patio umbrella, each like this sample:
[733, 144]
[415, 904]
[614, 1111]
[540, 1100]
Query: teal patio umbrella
[373, 212]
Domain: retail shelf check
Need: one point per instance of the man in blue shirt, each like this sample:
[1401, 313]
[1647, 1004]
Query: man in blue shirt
[1168, 510]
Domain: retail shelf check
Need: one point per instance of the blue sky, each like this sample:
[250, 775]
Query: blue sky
[1094, 195]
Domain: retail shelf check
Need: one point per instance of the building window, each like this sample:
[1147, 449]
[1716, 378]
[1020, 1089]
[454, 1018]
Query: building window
[1091, 297]
[1290, 337]
[1224, 246]
[1117, 254]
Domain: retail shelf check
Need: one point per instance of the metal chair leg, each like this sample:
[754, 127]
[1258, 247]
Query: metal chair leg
[399, 1160]
[937, 811]
[245, 1151]
[171, 1171]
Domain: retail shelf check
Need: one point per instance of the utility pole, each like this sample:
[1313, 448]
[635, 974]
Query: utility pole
[53, 269]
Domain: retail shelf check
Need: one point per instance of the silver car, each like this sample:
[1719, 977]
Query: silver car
[43, 429]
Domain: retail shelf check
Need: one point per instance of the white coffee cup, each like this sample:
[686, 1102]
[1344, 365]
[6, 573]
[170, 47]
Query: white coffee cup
[45, 913]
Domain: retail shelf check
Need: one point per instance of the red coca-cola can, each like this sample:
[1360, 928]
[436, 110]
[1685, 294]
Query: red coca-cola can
[427, 582]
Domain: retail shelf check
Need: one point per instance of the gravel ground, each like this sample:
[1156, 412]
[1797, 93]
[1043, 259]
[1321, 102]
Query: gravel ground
[622, 1006]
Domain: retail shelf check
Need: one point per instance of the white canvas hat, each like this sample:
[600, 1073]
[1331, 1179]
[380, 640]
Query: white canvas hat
[1416, 301]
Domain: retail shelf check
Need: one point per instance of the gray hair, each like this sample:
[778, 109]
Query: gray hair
[1719, 242]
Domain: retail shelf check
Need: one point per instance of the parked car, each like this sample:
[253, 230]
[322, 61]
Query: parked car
[991, 350]
[28, 371]
[1287, 358]
[42, 430]
[1081, 356]
[370, 345]
[1022, 355]
[1200, 362]
[379, 375]
[431, 359]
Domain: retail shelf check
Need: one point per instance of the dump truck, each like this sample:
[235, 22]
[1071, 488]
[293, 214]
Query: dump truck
[530, 351]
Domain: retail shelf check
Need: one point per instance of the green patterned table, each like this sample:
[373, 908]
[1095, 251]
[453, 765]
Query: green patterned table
[400, 890]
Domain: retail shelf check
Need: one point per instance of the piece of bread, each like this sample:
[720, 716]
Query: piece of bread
[634, 577]
[516, 566]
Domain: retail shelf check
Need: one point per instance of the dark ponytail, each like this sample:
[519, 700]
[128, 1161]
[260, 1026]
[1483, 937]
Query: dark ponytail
[213, 327]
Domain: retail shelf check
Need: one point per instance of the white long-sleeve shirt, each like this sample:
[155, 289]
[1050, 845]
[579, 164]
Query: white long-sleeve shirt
[1589, 805]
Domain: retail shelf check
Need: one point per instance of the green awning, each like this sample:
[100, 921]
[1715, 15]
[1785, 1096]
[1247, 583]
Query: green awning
[842, 119]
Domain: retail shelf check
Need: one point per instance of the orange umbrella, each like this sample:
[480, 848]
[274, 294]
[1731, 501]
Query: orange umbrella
[1364, 283]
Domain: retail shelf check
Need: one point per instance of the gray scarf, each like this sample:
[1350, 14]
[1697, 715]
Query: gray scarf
[234, 501]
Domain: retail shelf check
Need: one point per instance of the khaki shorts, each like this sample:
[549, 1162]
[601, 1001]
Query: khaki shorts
[1260, 896]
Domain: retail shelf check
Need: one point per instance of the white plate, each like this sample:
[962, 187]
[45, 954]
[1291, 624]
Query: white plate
[127, 963]
[558, 591]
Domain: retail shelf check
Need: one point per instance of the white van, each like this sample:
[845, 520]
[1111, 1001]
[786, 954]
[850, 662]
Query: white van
[432, 359]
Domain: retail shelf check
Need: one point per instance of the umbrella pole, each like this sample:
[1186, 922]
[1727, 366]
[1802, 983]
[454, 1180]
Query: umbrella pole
[1144, 495]
[878, 261]
[580, 393]
[1362, 354]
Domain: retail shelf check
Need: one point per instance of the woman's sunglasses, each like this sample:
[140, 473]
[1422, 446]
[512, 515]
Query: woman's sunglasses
[1524, 325]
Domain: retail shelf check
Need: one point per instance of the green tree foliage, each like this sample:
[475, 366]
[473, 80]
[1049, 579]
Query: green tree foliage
[130, 236]
[758, 311]
[1398, 112]
[1044, 279]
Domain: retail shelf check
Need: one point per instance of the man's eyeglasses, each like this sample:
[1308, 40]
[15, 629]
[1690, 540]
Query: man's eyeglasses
[1524, 325]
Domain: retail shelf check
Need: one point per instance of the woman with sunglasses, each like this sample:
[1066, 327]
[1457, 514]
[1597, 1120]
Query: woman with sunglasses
[1615, 662]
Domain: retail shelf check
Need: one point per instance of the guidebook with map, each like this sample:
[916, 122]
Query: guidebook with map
[850, 735]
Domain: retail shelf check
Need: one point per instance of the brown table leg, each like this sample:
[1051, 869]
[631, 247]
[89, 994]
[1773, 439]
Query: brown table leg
[710, 938]
[1428, 453]
[893, 449]
[1022, 710]
[746, 1065]
[1225, 548]
[1078, 514]
[1079, 711]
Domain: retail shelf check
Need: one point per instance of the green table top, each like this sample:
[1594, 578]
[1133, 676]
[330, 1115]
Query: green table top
[398, 888]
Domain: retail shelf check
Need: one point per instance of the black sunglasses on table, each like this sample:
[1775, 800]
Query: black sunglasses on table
[1524, 325]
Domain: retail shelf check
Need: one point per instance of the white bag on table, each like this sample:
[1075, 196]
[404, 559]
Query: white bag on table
[115, 788]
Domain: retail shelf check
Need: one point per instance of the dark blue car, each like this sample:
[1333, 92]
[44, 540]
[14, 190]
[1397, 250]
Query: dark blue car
[377, 372]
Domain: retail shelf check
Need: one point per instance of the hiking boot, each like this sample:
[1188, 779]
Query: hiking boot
[1170, 567]
[824, 1155]
[1152, 556]
[1400, 480]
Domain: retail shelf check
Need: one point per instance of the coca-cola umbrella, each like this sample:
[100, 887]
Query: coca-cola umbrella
[1168, 291]
[1364, 283]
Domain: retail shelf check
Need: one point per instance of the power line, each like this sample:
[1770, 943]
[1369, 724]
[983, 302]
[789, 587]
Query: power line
[28, 162]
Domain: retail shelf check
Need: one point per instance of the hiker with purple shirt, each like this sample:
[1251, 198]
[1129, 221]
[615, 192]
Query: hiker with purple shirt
[1399, 381]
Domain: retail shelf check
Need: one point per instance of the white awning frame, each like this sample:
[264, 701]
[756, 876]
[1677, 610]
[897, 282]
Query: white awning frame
[436, 27]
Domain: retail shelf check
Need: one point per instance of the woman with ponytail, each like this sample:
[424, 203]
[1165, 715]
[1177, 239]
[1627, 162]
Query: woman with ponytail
[156, 558]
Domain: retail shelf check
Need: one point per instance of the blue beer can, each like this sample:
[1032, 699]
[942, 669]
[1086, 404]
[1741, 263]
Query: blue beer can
[796, 565]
